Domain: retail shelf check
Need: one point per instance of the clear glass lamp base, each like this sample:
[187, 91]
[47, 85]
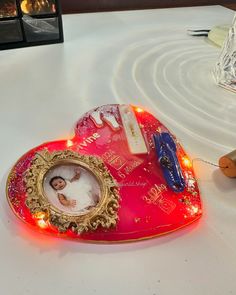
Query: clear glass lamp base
[225, 69]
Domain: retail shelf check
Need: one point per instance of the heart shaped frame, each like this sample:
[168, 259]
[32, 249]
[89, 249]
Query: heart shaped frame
[136, 200]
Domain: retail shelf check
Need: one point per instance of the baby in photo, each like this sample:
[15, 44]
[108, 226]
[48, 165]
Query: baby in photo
[75, 193]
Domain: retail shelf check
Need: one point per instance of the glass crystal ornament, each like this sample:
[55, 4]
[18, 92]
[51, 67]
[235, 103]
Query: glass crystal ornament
[225, 70]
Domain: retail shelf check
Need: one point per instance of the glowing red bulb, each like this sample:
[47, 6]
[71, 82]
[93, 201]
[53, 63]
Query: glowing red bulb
[39, 215]
[40, 219]
[42, 223]
[69, 143]
[186, 162]
[139, 110]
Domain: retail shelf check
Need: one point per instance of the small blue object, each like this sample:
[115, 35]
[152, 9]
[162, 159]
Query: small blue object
[166, 154]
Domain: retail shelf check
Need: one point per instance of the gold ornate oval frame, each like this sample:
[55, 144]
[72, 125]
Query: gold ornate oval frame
[104, 214]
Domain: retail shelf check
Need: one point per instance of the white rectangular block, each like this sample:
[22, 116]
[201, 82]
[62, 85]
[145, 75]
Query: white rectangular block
[133, 133]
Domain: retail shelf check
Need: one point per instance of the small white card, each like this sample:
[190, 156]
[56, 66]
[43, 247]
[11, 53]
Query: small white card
[133, 133]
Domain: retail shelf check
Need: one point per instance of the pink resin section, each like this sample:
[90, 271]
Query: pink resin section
[148, 207]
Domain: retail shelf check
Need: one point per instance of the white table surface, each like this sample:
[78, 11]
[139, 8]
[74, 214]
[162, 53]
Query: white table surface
[138, 57]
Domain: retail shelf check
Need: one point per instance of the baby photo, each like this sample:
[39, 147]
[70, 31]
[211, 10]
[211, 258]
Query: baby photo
[72, 189]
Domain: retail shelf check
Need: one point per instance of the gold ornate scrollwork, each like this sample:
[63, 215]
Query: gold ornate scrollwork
[104, 214]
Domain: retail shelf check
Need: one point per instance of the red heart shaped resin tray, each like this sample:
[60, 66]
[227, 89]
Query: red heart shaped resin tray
[122, 177]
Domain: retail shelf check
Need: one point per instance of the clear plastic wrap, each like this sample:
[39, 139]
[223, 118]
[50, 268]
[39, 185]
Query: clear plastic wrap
[40, 29]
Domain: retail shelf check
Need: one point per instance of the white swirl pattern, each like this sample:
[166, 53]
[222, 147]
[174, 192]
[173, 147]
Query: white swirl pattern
[174, 79]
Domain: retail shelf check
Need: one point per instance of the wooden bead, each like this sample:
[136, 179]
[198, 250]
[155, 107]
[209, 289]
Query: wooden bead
[227, 164]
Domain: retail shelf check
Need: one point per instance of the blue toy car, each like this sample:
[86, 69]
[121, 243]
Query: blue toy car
[166, 154]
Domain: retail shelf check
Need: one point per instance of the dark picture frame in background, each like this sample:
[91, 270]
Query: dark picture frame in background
[77, 6]
[26, 23]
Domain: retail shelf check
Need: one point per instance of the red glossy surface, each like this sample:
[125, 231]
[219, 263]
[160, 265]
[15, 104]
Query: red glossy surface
[147, 206]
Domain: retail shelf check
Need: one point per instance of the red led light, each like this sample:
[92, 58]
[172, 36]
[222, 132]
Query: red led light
[40, 219]
[69, 143]
[139, 110]
[42, 223]
[186, 162]
[39, 215]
